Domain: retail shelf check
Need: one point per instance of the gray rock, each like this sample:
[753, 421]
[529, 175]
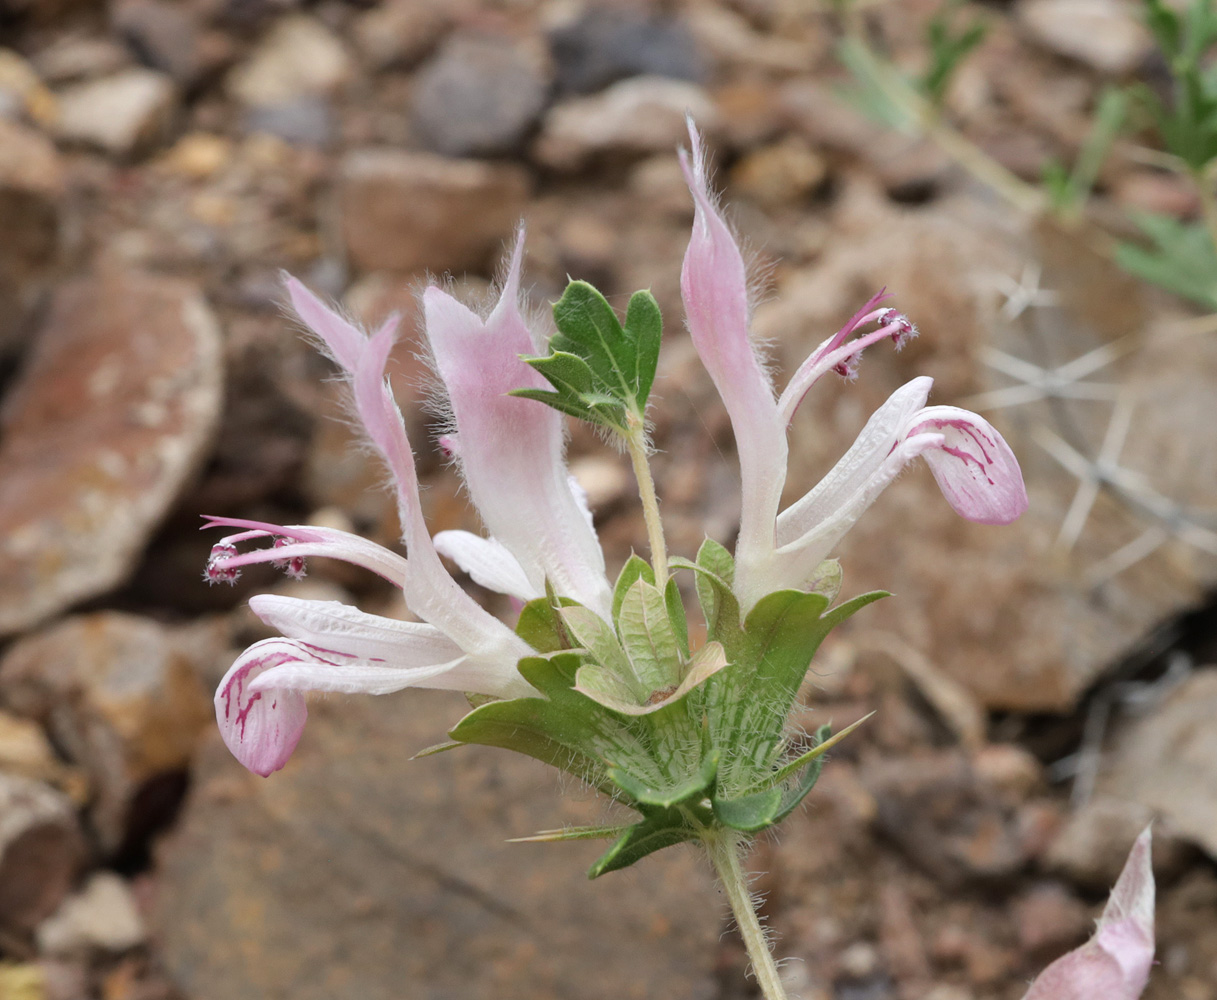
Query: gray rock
[412, 211]
[479, 96]
[606, 44]
[302, 121]
[356, 870]
[109, 418]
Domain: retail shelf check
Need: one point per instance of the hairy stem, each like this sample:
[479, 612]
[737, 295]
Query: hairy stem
[635, 442]
[724, 851]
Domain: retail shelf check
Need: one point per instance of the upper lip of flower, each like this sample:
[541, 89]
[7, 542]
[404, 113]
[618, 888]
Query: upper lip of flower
[973, 465]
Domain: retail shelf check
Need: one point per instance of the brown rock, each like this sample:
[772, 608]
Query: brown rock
[1106, 35]
[26, 752]
[121, 695]
[121, 114]
[1093, 846]
[298, 58]
[41, 851]
[31, 192]
[1050, 921]
[109, 418]
[399, 33]
[415, 211]
[355, 870]
[779, 174]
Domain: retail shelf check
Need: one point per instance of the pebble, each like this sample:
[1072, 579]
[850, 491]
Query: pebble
[307, 120]
[102, 916]
[1106, 35]
[109, 418]
[22, 92]
[32, 186]
[121, 696]
[779, 174]
[122, 114]
[479, 96]
[396, 34]
[299, 57]
[606, 43]
[631, 119]
[41, 851]
[164, 35]
[1049, 921]
[409, 212]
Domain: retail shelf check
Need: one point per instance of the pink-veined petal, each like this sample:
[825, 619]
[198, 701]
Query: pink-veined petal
[714, 287]
[975, 468]
[261, 728]
[1116, 962]
[511, 449]
[347, 676]
[488, 562]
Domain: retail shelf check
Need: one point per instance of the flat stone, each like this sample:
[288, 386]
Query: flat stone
[629, 120]
[31, 199]
[41, 851]
[354, 871]
[603, 44]
[1106, 35]
[122, 114]
[109, 418]
[299, 57]
[102, 916]
[479, 96]
[1166, 760]
[121, 696]
[413, 211]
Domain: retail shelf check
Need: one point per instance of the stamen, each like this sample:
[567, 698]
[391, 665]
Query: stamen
[293, 566]
[217, 571]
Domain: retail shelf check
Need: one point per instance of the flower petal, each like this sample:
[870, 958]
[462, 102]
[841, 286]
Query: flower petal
[511, 449]
[488, 562]
[975, 468]
[261, 728]
[351, 677]
[343, 341]
[1115, 963]
[714, 287]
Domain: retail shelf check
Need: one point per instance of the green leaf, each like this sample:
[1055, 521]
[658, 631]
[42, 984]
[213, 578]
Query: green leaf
[715, 572]
[676, 614]
[613, 692]
[948, 49]
[807, 781]
[649, 639]
[661, 829]
[644, 328]
[749, 813]
[1182, 258]
[825, 741]
[542, 627]
[572, 833]
[596, 635]
[635, 568]
[694, 786]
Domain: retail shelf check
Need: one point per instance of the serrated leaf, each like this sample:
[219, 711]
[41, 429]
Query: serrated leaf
[648, 638]
[541, 627]
[691, 787]
[654, 833]
[635, 568]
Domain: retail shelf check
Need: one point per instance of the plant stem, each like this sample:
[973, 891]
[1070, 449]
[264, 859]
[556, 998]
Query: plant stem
[724, 851]
[635, 442]
[1208, 204]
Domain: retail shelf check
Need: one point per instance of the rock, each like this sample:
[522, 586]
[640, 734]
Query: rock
[31, 199]
[121, 695]
[1050, 921]
[109, 418]
[604, 44]
[164, 35]
[378, 871]
[604, 478]
[906, 165]
[22, 93]
[413, 211]
[479, 96]
[70, 58]
[302, 121]
[1094, 844]
[632, 118]
[727, 39]
[25, 752]
[100, 917]
[779, 174]
[1165, 761]
[398, 33]
[121, 114]
[1106, 35]
[299, 57]
[41, 851]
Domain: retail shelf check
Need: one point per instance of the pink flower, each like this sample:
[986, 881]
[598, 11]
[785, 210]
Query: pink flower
[511, 454]
[974, 467]
[1115, 963]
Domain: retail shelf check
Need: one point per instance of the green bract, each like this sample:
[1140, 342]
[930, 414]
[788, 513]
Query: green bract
[693, 741]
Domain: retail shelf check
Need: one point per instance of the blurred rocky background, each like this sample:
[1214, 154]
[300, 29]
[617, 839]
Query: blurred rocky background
[1043, 690]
